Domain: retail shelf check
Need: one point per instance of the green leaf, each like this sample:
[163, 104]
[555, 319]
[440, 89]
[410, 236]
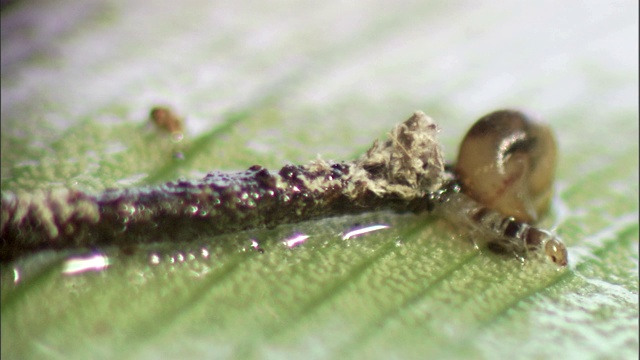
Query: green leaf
[269, 85]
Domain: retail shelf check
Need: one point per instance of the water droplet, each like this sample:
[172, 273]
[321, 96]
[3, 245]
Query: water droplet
[295, 240]
[193, 209]
[154, 259]
[126, 210]
[255, 245]
[177, 136]
[363, 230]
[16, 275]
[81, 264]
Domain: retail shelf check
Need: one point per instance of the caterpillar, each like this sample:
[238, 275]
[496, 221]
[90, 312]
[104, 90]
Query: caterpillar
[405, 173]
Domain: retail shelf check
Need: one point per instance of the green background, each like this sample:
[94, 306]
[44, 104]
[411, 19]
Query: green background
[276, 83]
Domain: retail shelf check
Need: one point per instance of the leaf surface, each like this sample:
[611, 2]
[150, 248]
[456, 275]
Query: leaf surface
[271, 85]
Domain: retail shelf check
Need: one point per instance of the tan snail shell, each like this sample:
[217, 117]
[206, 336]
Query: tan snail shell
[507, 162]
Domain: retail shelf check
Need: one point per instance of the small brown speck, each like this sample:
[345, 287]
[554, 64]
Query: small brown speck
[165, 119]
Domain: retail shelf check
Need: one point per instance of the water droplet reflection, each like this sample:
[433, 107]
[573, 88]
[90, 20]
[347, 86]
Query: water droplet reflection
[154, 259]
[352, 233]
[255, 245]
[16, 275]
[177, 136]
[295, 240]
[81, 264]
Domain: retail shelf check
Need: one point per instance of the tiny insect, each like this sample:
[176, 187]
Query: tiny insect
[494, 190]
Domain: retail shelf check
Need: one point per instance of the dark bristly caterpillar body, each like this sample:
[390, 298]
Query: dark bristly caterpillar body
[404, 173]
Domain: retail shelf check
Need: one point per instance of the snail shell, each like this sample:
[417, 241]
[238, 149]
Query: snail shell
[507, 162]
